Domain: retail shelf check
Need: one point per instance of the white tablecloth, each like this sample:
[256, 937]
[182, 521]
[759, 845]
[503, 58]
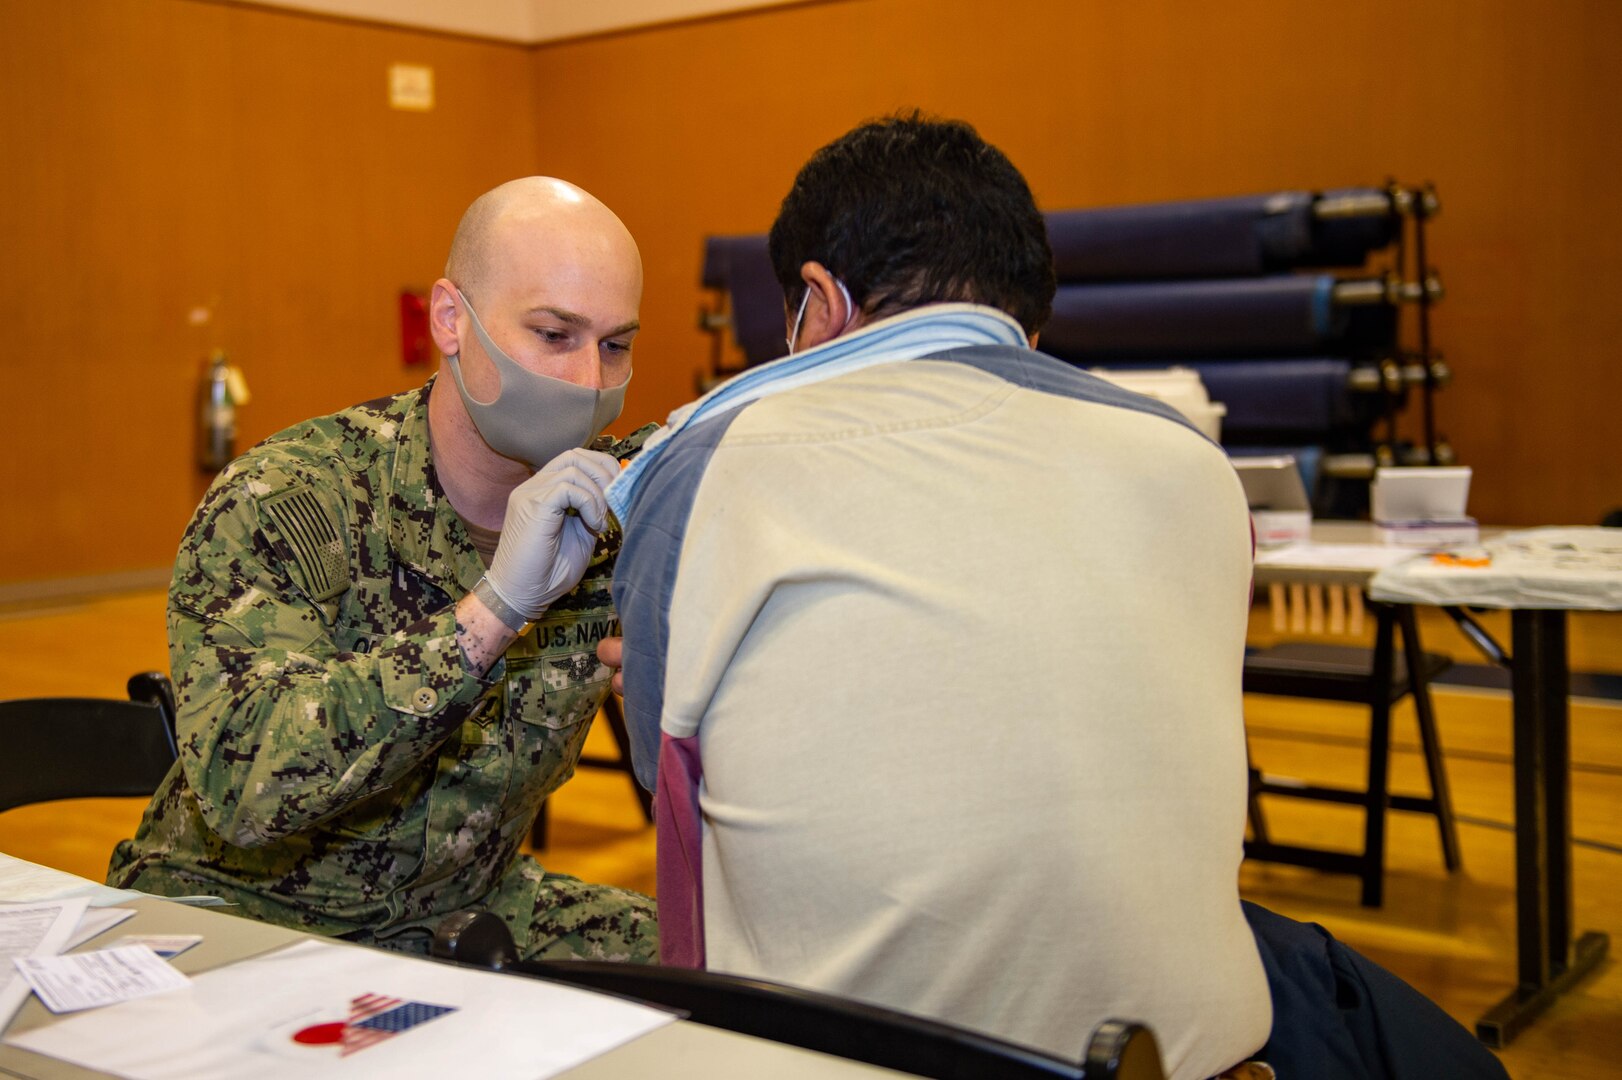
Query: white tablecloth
[1575, 568]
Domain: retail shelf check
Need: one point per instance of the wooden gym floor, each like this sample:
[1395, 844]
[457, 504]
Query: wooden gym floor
[1450, 936]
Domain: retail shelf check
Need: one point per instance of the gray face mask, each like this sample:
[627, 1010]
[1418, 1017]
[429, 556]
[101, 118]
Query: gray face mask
[535, 417]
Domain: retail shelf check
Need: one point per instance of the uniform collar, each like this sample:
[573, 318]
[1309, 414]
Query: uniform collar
[424, 530]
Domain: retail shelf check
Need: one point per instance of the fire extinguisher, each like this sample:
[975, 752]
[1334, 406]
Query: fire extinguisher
[219, 393]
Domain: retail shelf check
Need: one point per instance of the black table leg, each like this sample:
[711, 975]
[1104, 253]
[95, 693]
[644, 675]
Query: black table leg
[1547, 962]
[1430, 739]
[1377, 793]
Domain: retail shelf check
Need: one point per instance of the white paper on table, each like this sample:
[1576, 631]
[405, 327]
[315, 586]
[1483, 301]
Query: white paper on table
[97, 921]
[21, 880]
[104, 977]
[40, 929]
[1335, 556]
[167, 946]
[303, 1011]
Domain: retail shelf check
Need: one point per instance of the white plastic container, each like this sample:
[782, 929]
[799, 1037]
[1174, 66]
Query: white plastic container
[1179, 387]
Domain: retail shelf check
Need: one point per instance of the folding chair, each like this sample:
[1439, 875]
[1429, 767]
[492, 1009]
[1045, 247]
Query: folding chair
[1377, 678]
[154, 688]
[74, 747]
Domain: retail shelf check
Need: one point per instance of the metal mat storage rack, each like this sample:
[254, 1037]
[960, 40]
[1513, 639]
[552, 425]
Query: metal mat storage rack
[1306, 314]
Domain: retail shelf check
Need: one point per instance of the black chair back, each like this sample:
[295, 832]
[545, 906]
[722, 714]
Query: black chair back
[806, 1018]
[154, 688]
[67, 748]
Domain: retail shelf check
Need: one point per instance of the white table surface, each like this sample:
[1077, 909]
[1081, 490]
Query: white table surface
[675, 1052]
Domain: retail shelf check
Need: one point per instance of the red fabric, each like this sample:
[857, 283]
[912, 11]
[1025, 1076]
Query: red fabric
[680, 863]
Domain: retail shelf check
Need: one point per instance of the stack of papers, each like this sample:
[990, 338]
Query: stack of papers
[319, 1009]
[312, 1009]
[21, 880]
[46, 912]
[24, 881]
[32, 939]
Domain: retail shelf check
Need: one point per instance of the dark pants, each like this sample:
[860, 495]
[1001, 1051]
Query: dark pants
[1340, 1016]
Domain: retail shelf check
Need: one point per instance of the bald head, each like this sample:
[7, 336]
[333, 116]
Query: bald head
[505, 220]
[556, 281]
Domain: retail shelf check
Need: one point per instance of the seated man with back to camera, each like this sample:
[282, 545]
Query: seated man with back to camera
[944, 636]
[382, 621]
[934, 644]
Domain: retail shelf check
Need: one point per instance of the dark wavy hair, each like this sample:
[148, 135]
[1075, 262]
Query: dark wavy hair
[910, 210]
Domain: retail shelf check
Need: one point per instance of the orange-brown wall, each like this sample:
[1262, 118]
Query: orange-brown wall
[1510, 107]
[161, 155]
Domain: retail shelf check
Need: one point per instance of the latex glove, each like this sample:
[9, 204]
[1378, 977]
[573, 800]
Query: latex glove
[544, 549]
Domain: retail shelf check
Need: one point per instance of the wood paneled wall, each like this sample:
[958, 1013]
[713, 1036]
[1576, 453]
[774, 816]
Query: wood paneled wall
[162, 155]
[1509, 107]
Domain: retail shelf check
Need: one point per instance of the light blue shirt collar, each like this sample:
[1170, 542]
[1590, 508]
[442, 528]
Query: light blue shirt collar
[923, 331]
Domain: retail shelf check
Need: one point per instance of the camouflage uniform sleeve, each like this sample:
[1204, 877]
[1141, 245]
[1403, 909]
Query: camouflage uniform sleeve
[279, 728]
[629, 447]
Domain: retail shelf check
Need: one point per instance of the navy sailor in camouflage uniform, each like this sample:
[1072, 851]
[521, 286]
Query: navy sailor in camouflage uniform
[383, 622]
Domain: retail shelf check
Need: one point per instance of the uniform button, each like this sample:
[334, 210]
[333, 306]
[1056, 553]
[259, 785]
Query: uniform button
[425, 699]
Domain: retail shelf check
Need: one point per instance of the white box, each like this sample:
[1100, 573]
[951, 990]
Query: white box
[1423, 506]
[1275, 527]
[1279, 509]
[1420, 493]
[1179, 387]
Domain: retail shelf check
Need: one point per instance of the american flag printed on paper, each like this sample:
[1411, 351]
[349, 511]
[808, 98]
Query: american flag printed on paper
[372, 1018]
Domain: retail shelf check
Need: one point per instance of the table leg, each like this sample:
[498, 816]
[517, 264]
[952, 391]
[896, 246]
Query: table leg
[1546, 962]
[1551, 700]
[1377, 795]
[1430, 739]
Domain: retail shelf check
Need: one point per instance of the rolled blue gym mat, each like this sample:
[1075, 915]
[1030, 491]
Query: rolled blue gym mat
[1298, 396]
[743, 267]
[1285, 315]
[1233, 237]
